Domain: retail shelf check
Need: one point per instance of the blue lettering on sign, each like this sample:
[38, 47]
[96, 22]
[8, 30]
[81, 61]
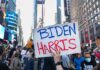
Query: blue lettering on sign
[59, 30]
[66, 31]
[51, 36]
[43, 33]
[52, 32]
[72, 29]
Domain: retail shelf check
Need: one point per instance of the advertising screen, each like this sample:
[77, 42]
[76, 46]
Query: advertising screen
[2, 31]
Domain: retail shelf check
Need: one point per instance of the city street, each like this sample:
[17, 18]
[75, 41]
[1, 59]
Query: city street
[49, 34]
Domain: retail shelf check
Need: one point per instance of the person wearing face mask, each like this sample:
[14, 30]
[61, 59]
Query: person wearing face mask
[89, 63]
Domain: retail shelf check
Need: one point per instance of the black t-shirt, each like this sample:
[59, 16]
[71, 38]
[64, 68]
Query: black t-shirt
[11, 52]
[49, 64]
[3, 66]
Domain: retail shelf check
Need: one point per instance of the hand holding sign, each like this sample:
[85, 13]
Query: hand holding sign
[63, 38]
[57, 57]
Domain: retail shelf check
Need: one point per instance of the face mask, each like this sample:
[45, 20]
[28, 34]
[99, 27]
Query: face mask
[87, 59]
[97, 61]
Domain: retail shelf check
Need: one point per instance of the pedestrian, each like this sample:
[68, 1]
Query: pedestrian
[3, 66]
[23, 52]
[10, 55]
[31, 61]
[78, 61]
[48, 63]
[89, 63]
[16, 63]
[65, 62]
[27, 54]
[97, 50]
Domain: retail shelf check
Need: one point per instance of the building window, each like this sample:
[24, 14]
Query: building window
[99, 15]
[94, 6]
[90, 9]
[84, 3]
[3, 1]
[96, 18]
[90, 3]
[87, 6]
[86, 36]
[98, 10]
[92, 20]
[95, 12]
[91, 15]
[92, 33]
[97, 3]
[82, 37]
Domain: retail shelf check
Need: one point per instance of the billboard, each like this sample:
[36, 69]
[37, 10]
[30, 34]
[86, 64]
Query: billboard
[2, 31]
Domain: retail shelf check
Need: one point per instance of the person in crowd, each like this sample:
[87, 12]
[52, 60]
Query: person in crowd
[97, 50]
[23, 52]
[11, 54]
[89, 63]
[26, 58]
[39, 63]
[65, 62]
[97, 67]
[78, 61]
[3, 66]
[16, 63]
[31, 60]
[57, 60]
[48, 63]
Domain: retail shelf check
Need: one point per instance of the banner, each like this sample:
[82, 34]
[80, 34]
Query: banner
[61, 37]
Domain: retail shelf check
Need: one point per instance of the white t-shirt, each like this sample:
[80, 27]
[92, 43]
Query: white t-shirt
[88, 67]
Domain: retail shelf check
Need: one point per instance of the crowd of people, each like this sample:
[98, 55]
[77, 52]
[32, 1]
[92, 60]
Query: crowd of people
[15, 57]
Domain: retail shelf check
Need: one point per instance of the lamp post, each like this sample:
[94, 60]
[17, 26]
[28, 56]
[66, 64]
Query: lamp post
[99, 19]
[35, 13]
[42, 21]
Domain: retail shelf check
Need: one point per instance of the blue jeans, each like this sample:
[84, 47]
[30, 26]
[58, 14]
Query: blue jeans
[26, 63]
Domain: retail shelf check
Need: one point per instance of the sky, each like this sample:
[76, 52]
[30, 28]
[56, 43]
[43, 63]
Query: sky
[26, 13]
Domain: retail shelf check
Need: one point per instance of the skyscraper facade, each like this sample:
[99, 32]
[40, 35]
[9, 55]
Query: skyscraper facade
[11, 19]
[67, 9]
[89, 16]
[74, 10]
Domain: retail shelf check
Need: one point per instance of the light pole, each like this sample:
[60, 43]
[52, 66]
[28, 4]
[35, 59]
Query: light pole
[99, 19]
[42, 13]
[35, 13]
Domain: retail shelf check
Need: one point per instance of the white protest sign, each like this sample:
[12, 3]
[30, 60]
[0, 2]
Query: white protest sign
[61, 37]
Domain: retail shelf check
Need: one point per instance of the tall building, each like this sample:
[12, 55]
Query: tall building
[2, 19]
[67, 8]
[2, 11]
[57, 13]
[74, 10]
[11, 19]
[11, 5]
[89, 16]
[19, 30]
